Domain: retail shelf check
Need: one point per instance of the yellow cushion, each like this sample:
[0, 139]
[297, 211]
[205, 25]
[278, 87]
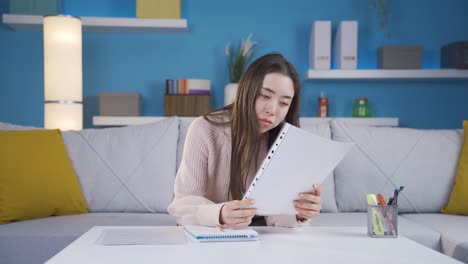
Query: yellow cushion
[458, 201]
[36, 177]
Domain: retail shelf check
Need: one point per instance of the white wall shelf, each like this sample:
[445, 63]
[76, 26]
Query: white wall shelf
[386, 74]
[102, 24]
[138, 120]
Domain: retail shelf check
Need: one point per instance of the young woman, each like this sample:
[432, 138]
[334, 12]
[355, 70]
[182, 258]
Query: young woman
[224, 148]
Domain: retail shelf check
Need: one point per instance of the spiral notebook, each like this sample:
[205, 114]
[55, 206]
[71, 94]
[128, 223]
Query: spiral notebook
[211, 234]
[296, 160]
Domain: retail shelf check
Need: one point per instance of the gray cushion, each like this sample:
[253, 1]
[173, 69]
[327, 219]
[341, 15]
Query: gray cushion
[454, 231]
[35, 241]
[126, 169]
[183, 128]
[424, 161]
[461, 252]
[8, 126]
[407, 228]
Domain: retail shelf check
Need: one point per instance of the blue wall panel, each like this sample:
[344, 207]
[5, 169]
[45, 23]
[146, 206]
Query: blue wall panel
[141, 62]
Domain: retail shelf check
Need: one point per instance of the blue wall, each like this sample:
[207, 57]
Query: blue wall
[141, 62]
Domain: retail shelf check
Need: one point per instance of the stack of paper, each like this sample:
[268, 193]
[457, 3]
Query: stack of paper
[296, 160]
[345, 51]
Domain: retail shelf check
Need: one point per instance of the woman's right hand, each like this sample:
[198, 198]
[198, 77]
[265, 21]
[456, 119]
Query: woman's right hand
[234, 215]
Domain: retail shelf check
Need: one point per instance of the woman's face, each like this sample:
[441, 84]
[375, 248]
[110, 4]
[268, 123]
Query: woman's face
[273, 101]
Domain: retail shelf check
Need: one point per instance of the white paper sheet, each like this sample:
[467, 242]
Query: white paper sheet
[144, 236]
[297, 160]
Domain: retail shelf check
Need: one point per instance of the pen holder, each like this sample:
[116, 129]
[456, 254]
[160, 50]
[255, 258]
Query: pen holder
[382, 221]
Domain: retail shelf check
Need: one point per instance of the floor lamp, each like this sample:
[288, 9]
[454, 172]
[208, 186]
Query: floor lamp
[63, 82]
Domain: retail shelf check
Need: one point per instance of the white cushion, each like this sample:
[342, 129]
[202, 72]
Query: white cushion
[126, 169]
[423, 161]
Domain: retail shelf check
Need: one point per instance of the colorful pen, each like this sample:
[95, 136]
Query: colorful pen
[381, 199]
[377, 217]
[395, 196]
[397, 192]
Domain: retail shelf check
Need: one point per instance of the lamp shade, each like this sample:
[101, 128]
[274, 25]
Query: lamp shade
[63, 80]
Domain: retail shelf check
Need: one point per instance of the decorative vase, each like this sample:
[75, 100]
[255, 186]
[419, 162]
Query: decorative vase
[361, 108]
[230, 93]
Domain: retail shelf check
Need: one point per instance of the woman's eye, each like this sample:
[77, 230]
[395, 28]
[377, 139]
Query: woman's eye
[284, 104]
[266, 96]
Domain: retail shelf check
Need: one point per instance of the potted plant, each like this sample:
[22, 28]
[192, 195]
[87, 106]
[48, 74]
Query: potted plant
[238, 58]
[382, 11]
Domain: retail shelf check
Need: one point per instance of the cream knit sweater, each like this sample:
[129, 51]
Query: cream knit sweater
[202, 181]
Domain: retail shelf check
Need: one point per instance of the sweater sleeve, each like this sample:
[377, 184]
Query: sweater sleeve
[190, 207]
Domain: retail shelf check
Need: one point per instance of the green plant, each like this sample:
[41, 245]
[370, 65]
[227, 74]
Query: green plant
[381, 8]
[239, 57]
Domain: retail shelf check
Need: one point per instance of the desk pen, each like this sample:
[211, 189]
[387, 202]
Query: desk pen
[397, 192]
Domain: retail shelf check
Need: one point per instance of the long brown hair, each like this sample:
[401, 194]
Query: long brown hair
[243, 119]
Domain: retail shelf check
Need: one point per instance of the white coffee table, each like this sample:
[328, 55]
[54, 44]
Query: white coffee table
[276, 245]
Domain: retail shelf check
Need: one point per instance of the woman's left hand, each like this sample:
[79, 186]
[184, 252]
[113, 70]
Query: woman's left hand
[309, 204]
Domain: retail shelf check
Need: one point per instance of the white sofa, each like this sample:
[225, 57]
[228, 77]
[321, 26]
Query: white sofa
[126, 175]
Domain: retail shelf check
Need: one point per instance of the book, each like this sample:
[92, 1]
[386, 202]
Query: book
[346, 42]
[198, 86]
[212, 234]
[295, 161]
[188, 86]
[320, 46]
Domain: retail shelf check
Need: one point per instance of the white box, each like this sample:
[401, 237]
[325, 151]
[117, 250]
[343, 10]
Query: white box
[320, 46]
[345, 50]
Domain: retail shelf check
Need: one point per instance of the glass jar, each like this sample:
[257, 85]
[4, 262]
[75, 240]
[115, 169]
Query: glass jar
[361, 108]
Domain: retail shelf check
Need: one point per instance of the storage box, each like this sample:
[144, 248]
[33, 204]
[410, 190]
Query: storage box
[454, 55]
[320, 45]
[158, 8]
[346, 45]
[399, 57]
[119, 104]
[186, 105]
[36, 7]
